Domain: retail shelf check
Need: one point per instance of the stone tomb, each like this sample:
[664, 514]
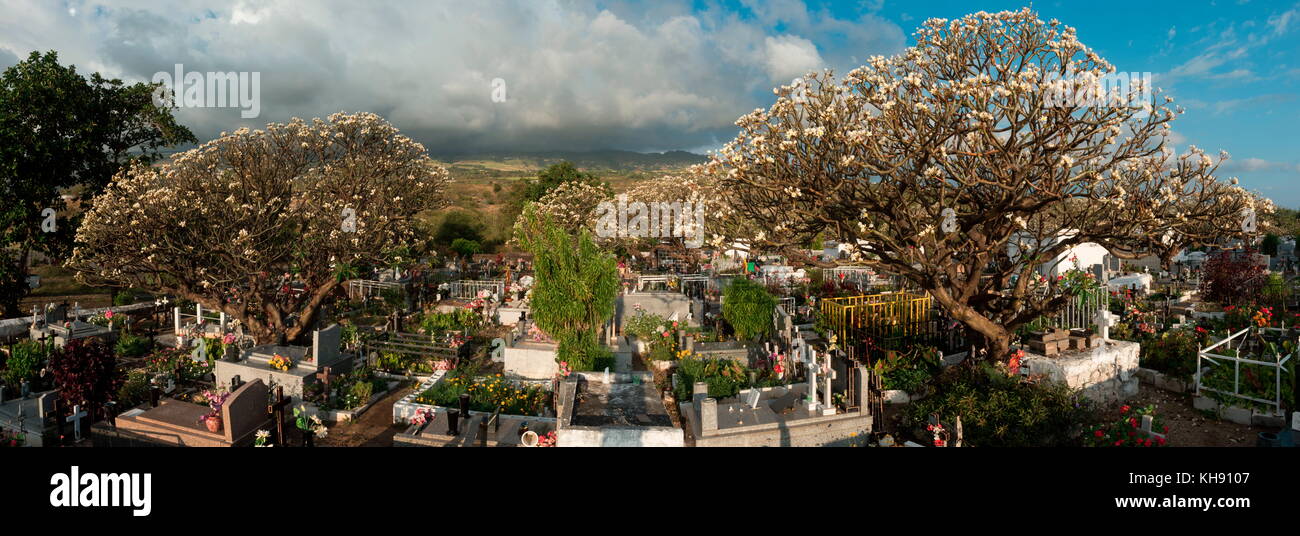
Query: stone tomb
[1106, 373]
[774, 417]
[176, 423]
[615, 410]
[33, 416]
[255, 363]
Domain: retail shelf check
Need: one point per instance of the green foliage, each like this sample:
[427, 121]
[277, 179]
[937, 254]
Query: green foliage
[576, 283]
[466, 248]
[1269, 245]
[394, 298]
[59, 129]
[134, 390]
[553, 176]
[461, 319]
[908, 371]
[726, 377]
[458, 225]
[129, 345]
[122, 298]
[1172, 353]
[645, 326]
[1276, 290]
[998, 410]
[1125, 431]
[748, 307]
[487, 394]
[24, 364]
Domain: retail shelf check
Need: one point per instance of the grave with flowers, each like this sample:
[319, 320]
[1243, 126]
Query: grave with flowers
[464, 407]
[225, 419]
[293, 367]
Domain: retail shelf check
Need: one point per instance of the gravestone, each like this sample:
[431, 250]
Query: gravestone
[244, 411]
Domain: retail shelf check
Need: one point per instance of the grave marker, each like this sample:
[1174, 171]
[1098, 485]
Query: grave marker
[75, 419]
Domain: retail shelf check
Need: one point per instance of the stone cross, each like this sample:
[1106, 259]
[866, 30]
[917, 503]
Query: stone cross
[1104, 319]
[809, 359]
[75, 419]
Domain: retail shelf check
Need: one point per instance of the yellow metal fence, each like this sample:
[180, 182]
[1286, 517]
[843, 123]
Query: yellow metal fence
[878, 315]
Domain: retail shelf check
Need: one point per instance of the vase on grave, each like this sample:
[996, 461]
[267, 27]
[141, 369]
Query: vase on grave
[213, 422]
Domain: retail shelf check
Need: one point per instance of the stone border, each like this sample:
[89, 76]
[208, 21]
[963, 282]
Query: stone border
[1238, 414]
[345, 415]
[405, 408]
[1161, 380]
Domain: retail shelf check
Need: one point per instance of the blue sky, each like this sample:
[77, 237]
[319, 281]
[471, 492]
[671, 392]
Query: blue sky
[643, 75]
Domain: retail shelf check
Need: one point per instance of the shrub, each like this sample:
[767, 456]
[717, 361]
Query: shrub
[999, 410]
[85, 372]
[1124, 431]
[725, 377]
[129, 345]
[135, 390]
[1232, 278]
[748, 307]
[123, 297]
[1172, 353]
[24, 364]
[907, 372]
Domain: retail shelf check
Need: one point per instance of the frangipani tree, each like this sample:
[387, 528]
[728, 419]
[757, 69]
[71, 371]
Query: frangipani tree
[220, 224]
[935, 162]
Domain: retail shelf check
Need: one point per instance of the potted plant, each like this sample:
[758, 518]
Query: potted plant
[213, 418]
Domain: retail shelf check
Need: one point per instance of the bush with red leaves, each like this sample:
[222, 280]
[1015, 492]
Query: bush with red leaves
[85, 372]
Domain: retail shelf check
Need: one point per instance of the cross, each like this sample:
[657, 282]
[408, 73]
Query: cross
[277, 411]
[1104, 319]
[324, 377]
[75, 419]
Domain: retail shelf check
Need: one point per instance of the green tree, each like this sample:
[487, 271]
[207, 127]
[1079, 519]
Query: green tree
[1269, 245]
[465, 248]
[458, 225]
[748, 307]
[64, 134]
[576, 283]
[555, 175]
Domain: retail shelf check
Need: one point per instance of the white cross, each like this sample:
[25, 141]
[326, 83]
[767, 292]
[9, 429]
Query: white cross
[1104, 319]
[75, 419]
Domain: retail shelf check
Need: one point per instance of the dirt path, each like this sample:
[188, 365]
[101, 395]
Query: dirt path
[1190, 427]
[373, 429]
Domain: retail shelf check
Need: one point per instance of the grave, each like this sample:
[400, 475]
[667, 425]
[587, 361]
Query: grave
[32, 415]
[473, 428]
[176, 423]
[613, 410]
[527, 358]
[255, 363]
[778, 416]
[663, 303]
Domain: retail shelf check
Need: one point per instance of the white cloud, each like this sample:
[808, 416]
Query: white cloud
[789, 57]
[579, 75]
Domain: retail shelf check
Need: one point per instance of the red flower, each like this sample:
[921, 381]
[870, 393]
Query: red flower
[1098, 433]
[1120, 442]
[1124, 409]
[1133, 421]
[1160, 441]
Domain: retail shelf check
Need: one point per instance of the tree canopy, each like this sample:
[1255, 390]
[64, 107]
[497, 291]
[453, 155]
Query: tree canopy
[64, 134]
[258, 224]
[965, 131]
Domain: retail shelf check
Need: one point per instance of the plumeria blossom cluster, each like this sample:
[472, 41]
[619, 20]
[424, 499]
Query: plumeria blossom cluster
[962, 122]
[215, 223]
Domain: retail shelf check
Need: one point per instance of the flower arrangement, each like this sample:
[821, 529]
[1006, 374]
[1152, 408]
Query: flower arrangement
[564, 369]
[1126, 430]
[422, 417]
[547, 440]
[1014, 364]
[228, 339]
[262, 439]
[280, 362]
[309, 423]
[215, 400]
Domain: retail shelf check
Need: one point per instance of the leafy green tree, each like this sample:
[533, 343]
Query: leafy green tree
[748, 307]
[64, 134]
[458, 225]
[576, 283]
[555, 175]
[465, 248]
[1269, 245]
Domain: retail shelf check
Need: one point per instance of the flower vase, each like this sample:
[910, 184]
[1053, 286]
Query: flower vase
[213, 423]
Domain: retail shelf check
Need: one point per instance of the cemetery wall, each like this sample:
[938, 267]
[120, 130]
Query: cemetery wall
[807, 432]
[608, 436]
